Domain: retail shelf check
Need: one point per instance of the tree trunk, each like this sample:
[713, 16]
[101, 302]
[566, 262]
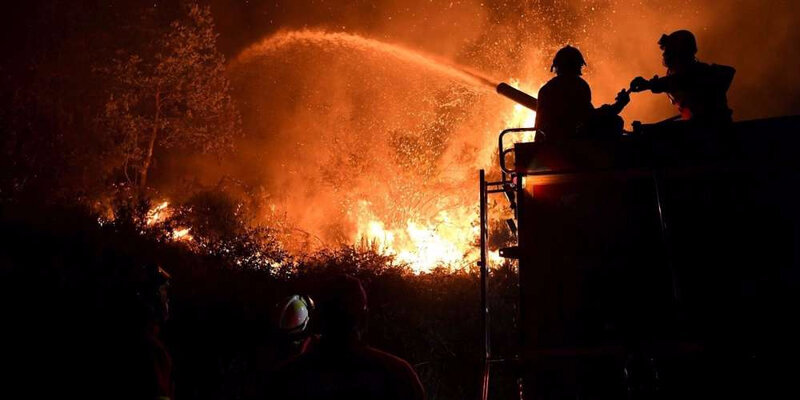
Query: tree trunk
[149, 157]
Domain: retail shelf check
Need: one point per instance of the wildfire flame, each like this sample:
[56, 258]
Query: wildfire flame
[182, 234]
[446, 240]
[522, 117]
[429, 123]
[157, 214]
[423, 242]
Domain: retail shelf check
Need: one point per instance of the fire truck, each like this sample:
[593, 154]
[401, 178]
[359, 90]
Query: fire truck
[661, 264]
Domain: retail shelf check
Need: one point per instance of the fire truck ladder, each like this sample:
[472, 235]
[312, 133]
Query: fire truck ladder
[506, 185]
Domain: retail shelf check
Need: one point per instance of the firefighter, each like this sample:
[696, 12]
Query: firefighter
[565, 110]
[697, 89]
[342, 365]
[294, 324]
[292, 336]
[152, 370]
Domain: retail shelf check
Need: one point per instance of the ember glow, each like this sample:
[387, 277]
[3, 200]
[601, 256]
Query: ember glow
[522, 117]
[443, 241]
[448, 239]
[389, 139]
[157, 214]
[182, 234]
[361, 122]
[156, 217]
[372, 131]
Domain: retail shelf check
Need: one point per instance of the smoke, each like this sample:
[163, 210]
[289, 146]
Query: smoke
[517, 39]
[346, 123]
[759, 40]
[345, 129]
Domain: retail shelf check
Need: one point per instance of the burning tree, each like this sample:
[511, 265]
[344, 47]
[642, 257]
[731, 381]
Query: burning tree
[175, 94]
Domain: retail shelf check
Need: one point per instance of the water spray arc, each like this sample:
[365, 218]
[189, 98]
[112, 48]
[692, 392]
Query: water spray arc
[401, 53]
[450, 69]
[332, 97]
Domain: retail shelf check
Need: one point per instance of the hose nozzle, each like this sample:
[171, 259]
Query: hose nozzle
[518, 96]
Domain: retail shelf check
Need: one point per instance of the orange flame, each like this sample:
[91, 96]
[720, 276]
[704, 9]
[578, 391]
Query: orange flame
[157, 214]
[448, 238]
[182, 234]
[521, 117]
[445, 240]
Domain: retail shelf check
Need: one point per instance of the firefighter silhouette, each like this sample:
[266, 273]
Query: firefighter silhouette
[565, 110]
[341, 365]
[149, 369]
[699, 90]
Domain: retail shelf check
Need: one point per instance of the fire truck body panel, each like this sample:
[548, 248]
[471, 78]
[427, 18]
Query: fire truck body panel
[666, 262]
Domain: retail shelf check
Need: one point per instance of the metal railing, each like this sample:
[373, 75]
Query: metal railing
[502, 151]
[505, 185]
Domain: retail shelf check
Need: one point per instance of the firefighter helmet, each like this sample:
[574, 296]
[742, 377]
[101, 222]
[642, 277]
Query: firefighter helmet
[681, 43]
[568, 59]
[295, 314]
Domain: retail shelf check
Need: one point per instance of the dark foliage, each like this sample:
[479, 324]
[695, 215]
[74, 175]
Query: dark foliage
[68, 296]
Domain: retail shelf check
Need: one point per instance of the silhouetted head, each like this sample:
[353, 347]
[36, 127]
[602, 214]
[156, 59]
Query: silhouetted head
[152, 294]
[678, 48]
[342, 308]
[568, 60]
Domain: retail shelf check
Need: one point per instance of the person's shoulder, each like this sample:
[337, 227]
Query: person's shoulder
[402, 373]
[569, 80]
[706, 68]
[547, 86]
[722, 69]
[583, 86]
[295, 363]
[718, 72]
[387, 359]
[699, 66]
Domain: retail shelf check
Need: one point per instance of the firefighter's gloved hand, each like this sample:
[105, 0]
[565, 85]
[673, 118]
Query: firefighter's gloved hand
[639, 84]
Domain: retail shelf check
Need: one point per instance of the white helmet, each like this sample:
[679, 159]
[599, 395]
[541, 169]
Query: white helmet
[295, 313]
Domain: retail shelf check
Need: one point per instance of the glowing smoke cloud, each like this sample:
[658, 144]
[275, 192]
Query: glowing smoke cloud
[367, 142]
